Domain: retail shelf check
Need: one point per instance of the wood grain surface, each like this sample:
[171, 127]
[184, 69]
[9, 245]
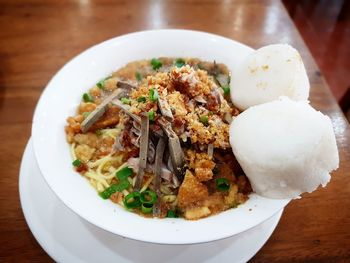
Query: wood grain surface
[39, 37]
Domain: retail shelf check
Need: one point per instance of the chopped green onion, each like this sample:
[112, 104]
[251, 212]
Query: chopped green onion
[151, 115]
[171, 214]
[156, 64]
[153, 95]
[124, 184]
[132, 200]
[98, 132]
[76, 163]
[226, 90]
[148, 197]
[114, 188]
[107, 192]
[222, 184]
[141, 99]
[146, 208]
[87, 97]
[101, 83]
[125, 100]
[204, 119]
[85, 114]
[180, 62]
[138, 76]
[124, 173]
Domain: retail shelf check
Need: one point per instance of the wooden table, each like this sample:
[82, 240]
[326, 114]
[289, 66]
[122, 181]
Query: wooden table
[38, 37]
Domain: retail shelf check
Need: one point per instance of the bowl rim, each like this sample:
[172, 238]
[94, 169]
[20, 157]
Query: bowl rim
[280, 204]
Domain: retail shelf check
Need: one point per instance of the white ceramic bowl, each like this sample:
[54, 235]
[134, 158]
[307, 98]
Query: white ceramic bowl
[60, 99]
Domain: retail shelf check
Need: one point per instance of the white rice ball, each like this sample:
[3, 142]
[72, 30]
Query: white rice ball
[268, 73]
[284, 147]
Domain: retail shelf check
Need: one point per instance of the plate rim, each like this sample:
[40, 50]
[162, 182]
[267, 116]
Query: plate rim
[41, 234]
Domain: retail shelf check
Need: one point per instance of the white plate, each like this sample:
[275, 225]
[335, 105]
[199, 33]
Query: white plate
[68, 238]
[63, 94]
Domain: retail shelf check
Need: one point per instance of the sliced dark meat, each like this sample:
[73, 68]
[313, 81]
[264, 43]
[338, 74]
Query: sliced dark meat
[126, 85]
[126, 109]
[158, 173]
[210, 150]
[94, 116]
[151, 152]
[176, 152]
[144, 139]
[99, 111]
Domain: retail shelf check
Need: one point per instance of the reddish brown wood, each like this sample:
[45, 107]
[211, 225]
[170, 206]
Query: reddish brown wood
[324, 25]
[38, 37]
